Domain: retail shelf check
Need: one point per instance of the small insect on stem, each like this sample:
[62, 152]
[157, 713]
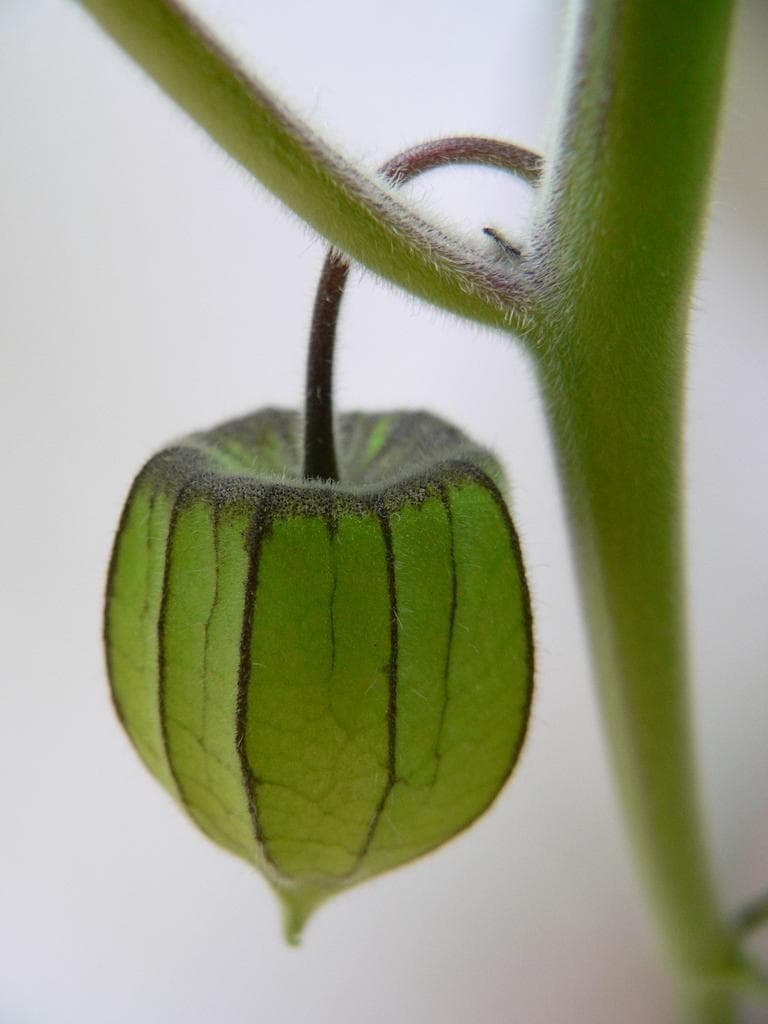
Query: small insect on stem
[320, 461]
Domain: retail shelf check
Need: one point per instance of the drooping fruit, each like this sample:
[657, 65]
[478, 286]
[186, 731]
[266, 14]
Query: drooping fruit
[330, 678]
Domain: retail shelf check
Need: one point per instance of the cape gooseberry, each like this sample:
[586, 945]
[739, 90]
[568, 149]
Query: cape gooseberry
[330, 678]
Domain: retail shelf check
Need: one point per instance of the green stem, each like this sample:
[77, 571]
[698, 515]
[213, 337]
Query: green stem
[356, 213]
[617, 237]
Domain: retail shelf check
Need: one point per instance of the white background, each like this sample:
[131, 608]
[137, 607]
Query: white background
[149, 288]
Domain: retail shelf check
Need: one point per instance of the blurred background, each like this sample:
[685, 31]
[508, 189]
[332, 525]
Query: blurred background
[149, 288]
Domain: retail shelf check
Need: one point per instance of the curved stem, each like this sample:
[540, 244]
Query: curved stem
[352, 210]
[319, 448]
[463, 149]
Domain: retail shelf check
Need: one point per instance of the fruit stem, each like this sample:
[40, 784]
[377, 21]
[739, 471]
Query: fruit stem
[319, 446]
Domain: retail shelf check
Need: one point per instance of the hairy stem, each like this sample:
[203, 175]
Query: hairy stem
[617, 237]
[357, 214]
[319, 447]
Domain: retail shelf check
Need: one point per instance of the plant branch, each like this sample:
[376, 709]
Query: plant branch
[354, 212]
[616, 240]
[601, 294]
[319, 447]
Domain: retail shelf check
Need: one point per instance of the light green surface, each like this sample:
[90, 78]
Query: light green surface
[133, 612]
[462, 693]
[318, 694]
[331, 682]
[201, 634]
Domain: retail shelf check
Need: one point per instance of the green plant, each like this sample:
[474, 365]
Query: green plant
[600, 296]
